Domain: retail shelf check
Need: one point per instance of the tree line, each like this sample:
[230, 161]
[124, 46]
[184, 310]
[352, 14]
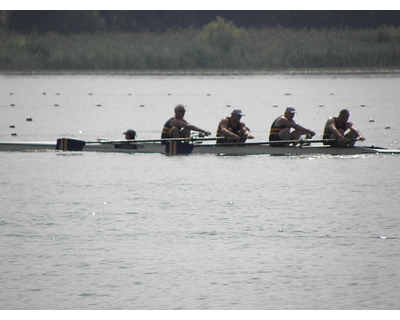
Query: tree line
[99, 21]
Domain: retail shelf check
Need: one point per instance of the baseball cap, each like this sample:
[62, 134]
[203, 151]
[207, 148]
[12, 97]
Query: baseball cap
[238, 112]
[290, 110]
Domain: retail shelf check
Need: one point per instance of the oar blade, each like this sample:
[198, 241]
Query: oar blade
[70, 144]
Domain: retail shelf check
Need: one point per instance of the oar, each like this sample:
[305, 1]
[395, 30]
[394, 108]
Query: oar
[301, 142]
[67, 144]
[188, 139]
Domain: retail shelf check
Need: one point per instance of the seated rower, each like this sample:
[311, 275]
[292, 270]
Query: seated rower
[231, 129]
[130, 134]
[177, 127]
[342, 130]
[281, 129]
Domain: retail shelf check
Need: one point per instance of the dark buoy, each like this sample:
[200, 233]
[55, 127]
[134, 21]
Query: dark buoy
[13, 134]
[12, 126]
[29, 119]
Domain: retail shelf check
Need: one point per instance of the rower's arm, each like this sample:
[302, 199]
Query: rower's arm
[305, 130]
[356, 131]
[225, 131]
[331, 125]
[194, 128]
[294, 125]
[184, 124]
[246, 132]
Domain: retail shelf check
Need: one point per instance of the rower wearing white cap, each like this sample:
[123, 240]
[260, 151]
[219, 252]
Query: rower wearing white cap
[281, 128]
[232, 129]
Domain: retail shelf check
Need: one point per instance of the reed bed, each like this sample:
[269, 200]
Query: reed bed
[265, 49]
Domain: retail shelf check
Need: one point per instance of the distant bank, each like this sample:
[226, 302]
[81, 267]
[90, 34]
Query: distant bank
[216, 50]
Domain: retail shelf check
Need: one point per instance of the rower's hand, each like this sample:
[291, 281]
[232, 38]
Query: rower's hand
[236, 137]
[250, 136]
[207, 133]
[361, 138]
[311, 134]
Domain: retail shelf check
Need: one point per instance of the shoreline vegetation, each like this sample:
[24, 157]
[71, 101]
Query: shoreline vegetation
[216, 49]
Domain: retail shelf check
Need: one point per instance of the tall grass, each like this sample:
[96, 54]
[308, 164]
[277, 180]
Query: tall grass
[256, 49]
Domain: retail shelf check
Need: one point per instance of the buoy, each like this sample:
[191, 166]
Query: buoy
[11, 93]
[58, 93]
[321, 105]
[208, 94]
[13, 134]
[288, 94]
[29, 119]
[44, 93]
[142, 105]
[275, 105]
[12, 104]
[332, 93]
[228, 105]
[363, 105]
[56, 105]
[387, 127]
[99, 105]
[12, 126]
[371, 120]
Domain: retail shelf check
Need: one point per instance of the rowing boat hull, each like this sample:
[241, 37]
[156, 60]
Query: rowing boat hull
[246, 149]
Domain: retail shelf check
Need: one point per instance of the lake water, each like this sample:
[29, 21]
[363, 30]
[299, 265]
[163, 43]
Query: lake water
[94, 231]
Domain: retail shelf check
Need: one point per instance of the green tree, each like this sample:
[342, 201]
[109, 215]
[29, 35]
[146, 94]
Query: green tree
[221, 34]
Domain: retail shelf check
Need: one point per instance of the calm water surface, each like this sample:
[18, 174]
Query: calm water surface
[94, 231]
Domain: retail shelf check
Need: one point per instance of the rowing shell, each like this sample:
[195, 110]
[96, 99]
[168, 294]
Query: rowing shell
[179, 147]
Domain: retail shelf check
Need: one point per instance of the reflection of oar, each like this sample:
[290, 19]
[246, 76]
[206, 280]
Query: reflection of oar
[67, 144]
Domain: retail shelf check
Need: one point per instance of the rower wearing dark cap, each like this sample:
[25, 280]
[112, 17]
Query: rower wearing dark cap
[130, 134]
[231, 129]
[281, 128]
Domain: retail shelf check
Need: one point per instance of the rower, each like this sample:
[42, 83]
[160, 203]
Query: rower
[177, 127]
[281, 129]
[342, 130]
[130, 134]
[231, 129]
